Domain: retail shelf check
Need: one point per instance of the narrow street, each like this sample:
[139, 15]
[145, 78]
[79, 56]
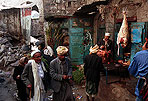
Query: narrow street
[113, 91]
[86, 37]
[7, 87]
[5, 95]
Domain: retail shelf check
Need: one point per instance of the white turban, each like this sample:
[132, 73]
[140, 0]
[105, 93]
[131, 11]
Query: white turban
[61, 50]
[48, 51]
[35, 51]
[107, 34]
[94, 49]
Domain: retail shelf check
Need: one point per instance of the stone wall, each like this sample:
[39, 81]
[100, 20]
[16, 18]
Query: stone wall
[40, 22]
[136, 8]
[142, 13]
[61, 7]
[35, 28]
[10, 22]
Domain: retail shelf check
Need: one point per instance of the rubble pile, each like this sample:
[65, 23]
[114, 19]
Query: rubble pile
[10, 53]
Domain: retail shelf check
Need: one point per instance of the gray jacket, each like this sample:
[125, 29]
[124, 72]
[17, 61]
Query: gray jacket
[56, 73]
[27, 77]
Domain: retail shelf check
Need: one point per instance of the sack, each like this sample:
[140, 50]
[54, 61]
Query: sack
[144, 91]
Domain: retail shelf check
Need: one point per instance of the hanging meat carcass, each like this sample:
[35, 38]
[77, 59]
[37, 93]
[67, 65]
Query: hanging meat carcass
[123, 33]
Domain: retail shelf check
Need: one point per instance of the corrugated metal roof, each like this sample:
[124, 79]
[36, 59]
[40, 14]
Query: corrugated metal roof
[92, 1]
[91, 7]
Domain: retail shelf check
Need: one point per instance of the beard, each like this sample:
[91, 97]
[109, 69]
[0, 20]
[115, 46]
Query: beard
[62, 59]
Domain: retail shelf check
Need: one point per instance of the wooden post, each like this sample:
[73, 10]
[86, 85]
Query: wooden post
[95, 28]
[114, 35]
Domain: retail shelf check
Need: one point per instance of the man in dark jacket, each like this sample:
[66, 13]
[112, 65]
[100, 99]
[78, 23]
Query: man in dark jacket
[92, 67]
[106, 45]
[61, 73]
[34, 76]
[17, 77]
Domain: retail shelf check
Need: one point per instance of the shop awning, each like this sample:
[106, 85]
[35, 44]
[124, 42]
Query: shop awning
[90, 8]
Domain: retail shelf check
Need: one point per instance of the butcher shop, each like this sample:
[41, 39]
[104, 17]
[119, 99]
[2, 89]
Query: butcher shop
[128, 25]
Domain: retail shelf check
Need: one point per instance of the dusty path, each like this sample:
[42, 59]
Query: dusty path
[7, 87]
[5, 94]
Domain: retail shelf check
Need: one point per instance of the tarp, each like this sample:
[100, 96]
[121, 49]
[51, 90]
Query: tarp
[8, 4]
[33, 40]
[35, 15]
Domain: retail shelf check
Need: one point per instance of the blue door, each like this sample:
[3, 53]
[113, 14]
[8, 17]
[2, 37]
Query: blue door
[137, 37]
[76, 45]
[80, 34]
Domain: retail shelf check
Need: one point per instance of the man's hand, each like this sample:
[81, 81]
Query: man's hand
[69, 77]
[102, 47]
[65, 77]
[109, 51]
[29, 86]
[18, 77]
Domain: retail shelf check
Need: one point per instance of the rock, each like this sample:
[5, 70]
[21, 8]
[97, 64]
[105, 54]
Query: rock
[3, 61]
[26, 48]
[15, 64]
[2, 80]
[3, 40]
[2, 49]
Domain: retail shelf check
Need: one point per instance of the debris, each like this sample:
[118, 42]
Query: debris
[2, 80]
[9, 53]
[50, 98]
[79, 97]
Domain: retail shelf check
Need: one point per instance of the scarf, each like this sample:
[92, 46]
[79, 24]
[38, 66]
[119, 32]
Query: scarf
[38, 84]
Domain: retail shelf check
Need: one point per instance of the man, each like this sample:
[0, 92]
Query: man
[106, 45]
[34, 76]
[92, 67]
[61, 73]
[139, 68]
[17, 77]
[47, 57]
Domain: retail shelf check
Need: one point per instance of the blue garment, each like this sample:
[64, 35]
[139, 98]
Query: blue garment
[139, 67]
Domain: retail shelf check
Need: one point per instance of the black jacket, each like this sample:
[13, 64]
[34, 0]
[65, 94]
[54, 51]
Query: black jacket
[92, 67]
[109, 44]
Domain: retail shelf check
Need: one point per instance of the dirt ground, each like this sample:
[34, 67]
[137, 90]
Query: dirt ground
[114, 90]
[6, 93]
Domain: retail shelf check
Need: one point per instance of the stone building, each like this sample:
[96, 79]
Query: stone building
[111, 19]
[71, 23]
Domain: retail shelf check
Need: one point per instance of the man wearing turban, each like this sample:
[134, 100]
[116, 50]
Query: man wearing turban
[34, 76]
[107, 46]
[61, 73]
[92, 67]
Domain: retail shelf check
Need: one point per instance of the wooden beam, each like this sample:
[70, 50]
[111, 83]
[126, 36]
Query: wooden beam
[95, 28]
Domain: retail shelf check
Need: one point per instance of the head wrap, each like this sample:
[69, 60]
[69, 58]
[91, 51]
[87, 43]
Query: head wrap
[107, 34]
[48, 51]
[61, 50]
[23, 60]
[35, 51]
[94, 49]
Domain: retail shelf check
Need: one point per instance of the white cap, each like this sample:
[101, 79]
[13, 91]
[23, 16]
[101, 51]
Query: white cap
[61, 50]
[35, 51]
[48, 51]
[94, 49]
[107, 34]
